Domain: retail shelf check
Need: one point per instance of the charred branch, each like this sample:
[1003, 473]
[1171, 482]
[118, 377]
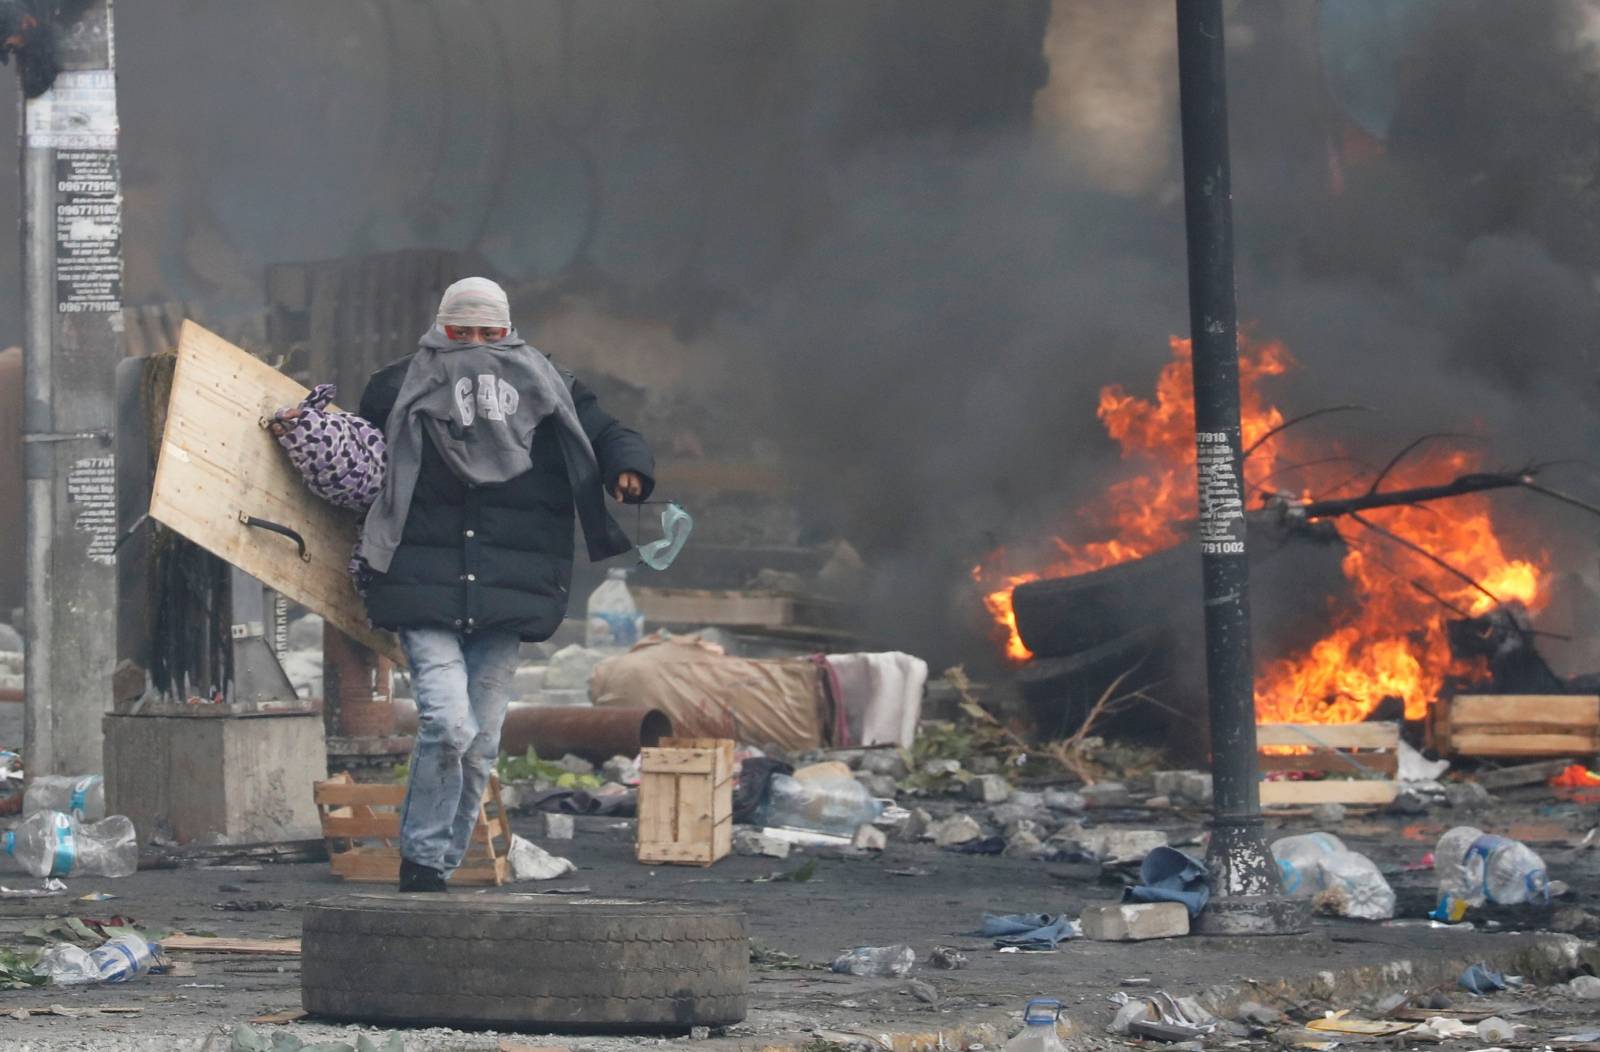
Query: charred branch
[1474, 483]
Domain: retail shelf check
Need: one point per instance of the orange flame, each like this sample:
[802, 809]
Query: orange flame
[1389, 642]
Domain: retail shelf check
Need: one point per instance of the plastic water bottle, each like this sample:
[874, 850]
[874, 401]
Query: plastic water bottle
[120, 959]
[880, 961]
[1038, 1033]
[613, 618]
[1475, 867]
[53, 844]
[1320, 865]
[838, 806]
[81, 796]
[123, 958]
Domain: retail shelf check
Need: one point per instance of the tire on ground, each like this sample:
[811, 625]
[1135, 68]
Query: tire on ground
[504, 960]
[1062, 616]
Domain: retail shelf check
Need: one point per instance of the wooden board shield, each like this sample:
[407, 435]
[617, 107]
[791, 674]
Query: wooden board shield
[218, 467]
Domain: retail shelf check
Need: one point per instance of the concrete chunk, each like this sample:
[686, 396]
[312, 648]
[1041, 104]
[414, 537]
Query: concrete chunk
[1107, 794]
[1134, 921]
[559, 827]
[1184, 787]
[989, 788]
[917, 827]
[1064, 800]
[958, 829]
[1122, 845]
[754, 843]
[1024, 844]
[881, 786]
[886, 762]
[1196, 787]
[870, 838]
[1328, 815]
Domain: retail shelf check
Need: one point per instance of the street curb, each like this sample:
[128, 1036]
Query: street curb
[1537, 957]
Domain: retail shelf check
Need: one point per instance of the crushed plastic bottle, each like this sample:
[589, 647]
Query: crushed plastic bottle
[1038, 1033]
[53, 844]
[1475, 868]
[836, 806]
[81, 796]
[1320, 866]
[881, 961]
[118, 960]
[613, 617]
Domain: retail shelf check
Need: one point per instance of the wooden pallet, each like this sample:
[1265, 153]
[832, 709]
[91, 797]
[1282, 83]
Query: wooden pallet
[1511, 726]
[1363, 760]
[686, 801]
[361, 823]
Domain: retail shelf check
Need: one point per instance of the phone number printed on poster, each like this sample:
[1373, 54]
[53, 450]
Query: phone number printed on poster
[88, 232]
[1221, 502]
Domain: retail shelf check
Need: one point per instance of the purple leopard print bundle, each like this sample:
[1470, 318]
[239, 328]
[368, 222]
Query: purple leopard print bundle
[341, 456]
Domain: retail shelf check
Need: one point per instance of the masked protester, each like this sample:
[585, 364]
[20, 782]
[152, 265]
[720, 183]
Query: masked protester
[476, 455]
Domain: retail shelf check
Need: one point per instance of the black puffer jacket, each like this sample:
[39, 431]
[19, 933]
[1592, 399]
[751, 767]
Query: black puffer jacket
[492, 557]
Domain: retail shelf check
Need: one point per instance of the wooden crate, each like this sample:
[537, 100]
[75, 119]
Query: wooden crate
[686, 801]
[1362, 759]
[361, 824]
[1513, 726]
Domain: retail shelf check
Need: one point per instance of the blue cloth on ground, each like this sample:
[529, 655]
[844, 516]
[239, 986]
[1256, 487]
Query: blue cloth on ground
[1027, 931]
[1168, 875]
[1481, 979]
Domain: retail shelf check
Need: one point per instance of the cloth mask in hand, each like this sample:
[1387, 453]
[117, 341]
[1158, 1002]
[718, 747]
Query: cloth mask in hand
[676, 525]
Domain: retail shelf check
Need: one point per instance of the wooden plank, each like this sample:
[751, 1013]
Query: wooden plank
[683, 606]
[210, 944]
[676, 761]
[1330, 735]
[699, 853]
[217, 462]
[1521, 774]
[493, 873]
[695, 743]
[1562, 709]
[694, 812]
[658, 801]
[1479, 743]
[382, 827]
[1524, 727]
[367, 864]
[722, 838]
[345, 794]
[1330, 791]
[1384, 764]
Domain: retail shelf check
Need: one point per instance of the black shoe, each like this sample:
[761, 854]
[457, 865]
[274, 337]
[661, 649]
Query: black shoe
[416, 877]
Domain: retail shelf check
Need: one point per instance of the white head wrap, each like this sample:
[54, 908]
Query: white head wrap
[476, 302]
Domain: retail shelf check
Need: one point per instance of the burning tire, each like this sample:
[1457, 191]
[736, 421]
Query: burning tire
[1069, 615]
[1061, 691]
[514, 961]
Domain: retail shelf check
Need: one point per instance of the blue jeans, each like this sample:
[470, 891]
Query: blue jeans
[463, 684]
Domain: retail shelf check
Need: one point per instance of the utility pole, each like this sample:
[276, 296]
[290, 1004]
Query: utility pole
[72, 305]
[1246, 891]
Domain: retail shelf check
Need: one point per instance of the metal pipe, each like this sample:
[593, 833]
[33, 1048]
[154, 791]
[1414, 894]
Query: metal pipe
[1241, 869]
[553, 731]
[357, 688]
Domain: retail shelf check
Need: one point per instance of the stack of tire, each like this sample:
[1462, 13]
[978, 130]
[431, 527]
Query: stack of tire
[1144, 621]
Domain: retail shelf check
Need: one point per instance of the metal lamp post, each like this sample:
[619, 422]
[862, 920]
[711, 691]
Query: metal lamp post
[1246, 891]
